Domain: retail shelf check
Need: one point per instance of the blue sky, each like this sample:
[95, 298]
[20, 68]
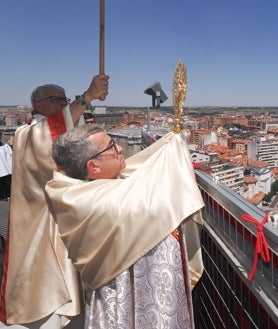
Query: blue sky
[229, 48]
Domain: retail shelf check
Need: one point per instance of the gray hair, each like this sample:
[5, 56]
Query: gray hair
[72, 150]
[39, 92]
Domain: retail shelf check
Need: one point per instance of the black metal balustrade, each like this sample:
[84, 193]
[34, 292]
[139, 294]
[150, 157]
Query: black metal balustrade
[224, 298]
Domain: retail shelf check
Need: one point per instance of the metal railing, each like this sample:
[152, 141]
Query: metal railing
[224, 298]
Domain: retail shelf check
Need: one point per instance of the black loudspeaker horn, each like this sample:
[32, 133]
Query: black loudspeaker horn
[158, 95]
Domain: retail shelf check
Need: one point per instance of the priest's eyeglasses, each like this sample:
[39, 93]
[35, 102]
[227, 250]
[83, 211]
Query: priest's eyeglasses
[113, 144]
[56, 99]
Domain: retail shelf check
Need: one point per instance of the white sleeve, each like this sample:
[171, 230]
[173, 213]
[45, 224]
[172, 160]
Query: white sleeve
[68, 118]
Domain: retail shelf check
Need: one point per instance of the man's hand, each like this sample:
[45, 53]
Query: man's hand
[98, 88]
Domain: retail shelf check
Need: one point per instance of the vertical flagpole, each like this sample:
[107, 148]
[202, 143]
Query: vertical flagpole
[101, 37]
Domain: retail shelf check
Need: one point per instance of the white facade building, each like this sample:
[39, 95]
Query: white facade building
[264, 150]
[230, 175]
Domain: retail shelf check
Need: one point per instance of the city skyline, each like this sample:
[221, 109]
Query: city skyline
[229, 49]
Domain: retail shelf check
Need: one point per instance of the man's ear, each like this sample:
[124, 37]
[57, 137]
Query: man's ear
[93, 167]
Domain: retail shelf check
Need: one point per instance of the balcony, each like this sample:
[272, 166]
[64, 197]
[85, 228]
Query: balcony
[224, 298]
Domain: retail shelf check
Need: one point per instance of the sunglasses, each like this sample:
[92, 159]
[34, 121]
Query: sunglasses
[56, 99]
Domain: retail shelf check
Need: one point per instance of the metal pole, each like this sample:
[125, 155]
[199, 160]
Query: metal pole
[101, 40]
[101, 36]
[148, 120]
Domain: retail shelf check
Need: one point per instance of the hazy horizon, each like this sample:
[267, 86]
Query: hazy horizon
[229, 49]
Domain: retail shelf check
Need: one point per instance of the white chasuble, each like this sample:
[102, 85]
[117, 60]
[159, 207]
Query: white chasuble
[119, 234]
[39, 276]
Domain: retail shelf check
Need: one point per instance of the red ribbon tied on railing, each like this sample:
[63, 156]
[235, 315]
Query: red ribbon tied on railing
[196, 165]
[261, 244]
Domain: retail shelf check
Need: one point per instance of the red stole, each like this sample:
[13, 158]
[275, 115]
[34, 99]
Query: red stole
[56, 124]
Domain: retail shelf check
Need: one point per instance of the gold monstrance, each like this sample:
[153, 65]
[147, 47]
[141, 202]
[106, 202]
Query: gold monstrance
[179, 92]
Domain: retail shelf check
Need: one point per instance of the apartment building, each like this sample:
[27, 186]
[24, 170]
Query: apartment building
[229, 174]
[264, 149]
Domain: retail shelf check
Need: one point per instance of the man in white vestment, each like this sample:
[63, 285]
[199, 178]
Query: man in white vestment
[135, 241]
[40, 286]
